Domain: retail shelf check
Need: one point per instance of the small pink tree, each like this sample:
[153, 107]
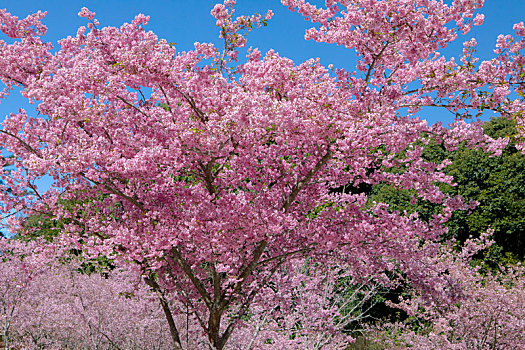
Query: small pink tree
[16, 273]
[209, 175]
[488, 313]
[47, 303]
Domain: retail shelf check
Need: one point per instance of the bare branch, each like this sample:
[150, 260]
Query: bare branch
[133, 106]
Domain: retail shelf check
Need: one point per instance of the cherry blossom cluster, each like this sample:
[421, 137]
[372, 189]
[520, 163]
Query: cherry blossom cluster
[488, 313]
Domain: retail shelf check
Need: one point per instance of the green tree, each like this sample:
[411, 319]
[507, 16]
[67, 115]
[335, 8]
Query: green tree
[497, 183]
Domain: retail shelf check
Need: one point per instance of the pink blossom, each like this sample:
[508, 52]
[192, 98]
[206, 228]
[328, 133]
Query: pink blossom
[86, 13]
[478, 20]
[219, 12]
[519, 28]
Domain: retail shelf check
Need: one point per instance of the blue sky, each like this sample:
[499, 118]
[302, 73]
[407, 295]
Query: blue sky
[185, 22]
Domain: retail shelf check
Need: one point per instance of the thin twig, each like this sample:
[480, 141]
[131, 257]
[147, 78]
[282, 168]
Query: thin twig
[133, 106]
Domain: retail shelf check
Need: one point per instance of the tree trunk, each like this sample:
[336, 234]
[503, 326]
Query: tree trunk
[214, 325]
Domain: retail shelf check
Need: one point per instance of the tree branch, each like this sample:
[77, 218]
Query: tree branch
[247, 271]
[26, 146]
[303, 250]
[117, 192]
[188, 271]
[246, 304]
[166, 308]
[375, 58]
[304, 182]
[202, 116]
[166, 97]
[133, 106]
[15, 80]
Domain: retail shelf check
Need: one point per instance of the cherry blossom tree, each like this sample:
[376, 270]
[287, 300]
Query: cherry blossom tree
[47, 302]
[313, 307]
[488, 313]
[209, 175]
[15, 276]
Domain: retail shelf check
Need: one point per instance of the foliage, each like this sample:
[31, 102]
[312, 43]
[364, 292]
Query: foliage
[495, 183]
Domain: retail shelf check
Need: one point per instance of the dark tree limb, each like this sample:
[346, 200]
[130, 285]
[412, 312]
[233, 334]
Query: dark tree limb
[306, 180]
[167, 312]
[189, 273]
